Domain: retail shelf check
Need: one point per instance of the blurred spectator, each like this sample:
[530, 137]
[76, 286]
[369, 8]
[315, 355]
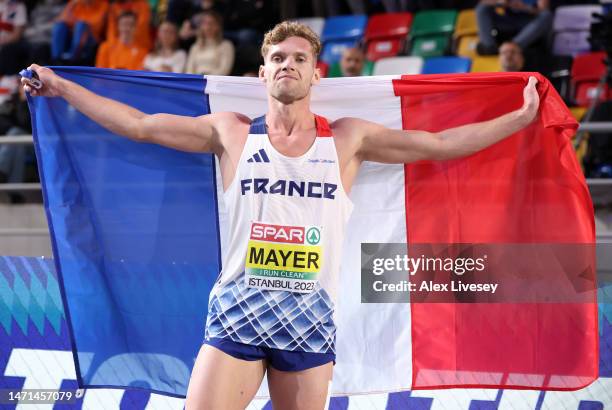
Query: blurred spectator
[396, 6]
[84, 19]
[289, 9]
[124, 52]
[244, 21]
[166, 55]
[334, 7]
[529, 19]
[181, 11]
[13, 19]
[511, 57]
[352, 62]
[14, 120]
[191, 16]
[211, 53]
[142, 11]
[36, 40]
[9, 86]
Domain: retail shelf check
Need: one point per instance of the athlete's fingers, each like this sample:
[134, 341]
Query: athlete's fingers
[34, 67]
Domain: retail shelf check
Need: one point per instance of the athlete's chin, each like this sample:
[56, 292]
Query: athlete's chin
[288, 96]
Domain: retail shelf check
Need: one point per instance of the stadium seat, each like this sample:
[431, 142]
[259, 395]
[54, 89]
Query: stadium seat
[341, 32]
[323, 68]
[386, 34]
[335, 71]
[398, 65]
[368, 68]
[571, 27]
[433, 22]
[569, 43]
[430, 46]
[587, 69]
[467, 46]
[431, 32]
[466, 24]
[442, 65]
[485, 64]
[466, 34]
[315, 23]
[577, 112]
[578, 17]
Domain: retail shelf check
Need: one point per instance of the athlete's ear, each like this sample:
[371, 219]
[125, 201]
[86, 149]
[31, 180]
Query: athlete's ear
[262, 73]
[316, 77]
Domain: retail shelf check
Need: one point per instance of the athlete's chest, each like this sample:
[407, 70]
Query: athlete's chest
[292, 145]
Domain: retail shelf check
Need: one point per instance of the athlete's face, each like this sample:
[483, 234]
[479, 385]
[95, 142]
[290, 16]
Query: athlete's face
[289, 70]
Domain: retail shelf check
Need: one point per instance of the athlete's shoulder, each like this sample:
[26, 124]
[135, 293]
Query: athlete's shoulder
[227, 124]
[227, 119]
[351, 127]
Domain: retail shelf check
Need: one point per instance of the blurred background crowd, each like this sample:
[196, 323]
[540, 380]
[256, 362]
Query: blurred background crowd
[563, 39]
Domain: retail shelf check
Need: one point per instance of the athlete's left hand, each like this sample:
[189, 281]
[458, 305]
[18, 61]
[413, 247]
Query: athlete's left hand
[531, 100]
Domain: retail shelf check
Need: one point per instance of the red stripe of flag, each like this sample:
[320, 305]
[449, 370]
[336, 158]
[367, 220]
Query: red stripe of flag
[526, 189]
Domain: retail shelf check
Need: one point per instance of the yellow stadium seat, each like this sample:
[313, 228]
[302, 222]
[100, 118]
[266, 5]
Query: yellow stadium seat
[578, 112]
[486, 64]
[467, 46]
[581, 151]
[466, 24]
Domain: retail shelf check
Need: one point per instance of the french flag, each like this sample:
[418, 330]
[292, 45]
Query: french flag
[138, 231]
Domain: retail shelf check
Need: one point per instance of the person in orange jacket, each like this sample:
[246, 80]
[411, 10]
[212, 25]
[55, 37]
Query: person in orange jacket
[124, 52]
[142, 10]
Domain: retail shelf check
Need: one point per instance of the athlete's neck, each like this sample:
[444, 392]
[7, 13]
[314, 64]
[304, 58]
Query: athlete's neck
[288, 119]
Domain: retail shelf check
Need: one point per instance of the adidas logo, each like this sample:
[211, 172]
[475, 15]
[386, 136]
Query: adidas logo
[260, 156]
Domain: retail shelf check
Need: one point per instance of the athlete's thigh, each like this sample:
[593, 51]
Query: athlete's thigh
[301, 390]
[220, 381]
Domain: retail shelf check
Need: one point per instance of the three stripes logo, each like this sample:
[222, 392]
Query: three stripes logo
[259, 156]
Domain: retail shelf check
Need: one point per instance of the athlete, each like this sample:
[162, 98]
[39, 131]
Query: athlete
[286, 179]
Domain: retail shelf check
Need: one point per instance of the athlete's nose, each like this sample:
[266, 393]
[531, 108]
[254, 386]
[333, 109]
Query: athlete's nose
[288, 65]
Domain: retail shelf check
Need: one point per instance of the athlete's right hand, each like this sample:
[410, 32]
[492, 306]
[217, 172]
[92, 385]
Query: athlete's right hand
[51, 82]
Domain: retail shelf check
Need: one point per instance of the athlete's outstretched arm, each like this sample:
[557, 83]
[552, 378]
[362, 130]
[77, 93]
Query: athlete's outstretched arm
[180, 132]
[382, 144]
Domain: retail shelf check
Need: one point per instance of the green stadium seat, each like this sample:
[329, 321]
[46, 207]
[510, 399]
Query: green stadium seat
[433, 22]
[431, 46]
[431, 32]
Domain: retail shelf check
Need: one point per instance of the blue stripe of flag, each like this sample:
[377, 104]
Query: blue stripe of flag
[134, 231]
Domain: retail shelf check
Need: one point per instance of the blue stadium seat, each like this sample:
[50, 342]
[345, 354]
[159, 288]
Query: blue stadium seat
[442, 65]
[341, 32]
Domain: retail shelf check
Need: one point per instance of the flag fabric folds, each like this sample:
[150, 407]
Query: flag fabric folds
[138, 233]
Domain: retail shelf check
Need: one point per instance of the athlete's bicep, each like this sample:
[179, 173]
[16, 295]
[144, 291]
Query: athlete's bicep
[382, 144]
[192, 134]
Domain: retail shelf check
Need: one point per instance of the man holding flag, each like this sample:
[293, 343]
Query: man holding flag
[286, 177]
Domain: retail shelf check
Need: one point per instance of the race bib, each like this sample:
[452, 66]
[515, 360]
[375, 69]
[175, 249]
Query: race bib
[281, 257]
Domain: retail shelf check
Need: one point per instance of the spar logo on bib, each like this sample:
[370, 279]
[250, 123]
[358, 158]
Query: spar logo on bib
[283, 257]
[313, 235]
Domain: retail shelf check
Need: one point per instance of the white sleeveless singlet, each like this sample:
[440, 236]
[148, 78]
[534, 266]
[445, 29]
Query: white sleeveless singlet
[287, 217]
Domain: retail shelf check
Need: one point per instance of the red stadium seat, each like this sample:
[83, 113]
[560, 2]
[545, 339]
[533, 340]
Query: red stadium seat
[589, 66]
[587, 69]
[324, 67]
[386, 34]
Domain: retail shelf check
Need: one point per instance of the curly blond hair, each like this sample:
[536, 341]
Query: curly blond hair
[286, 29]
